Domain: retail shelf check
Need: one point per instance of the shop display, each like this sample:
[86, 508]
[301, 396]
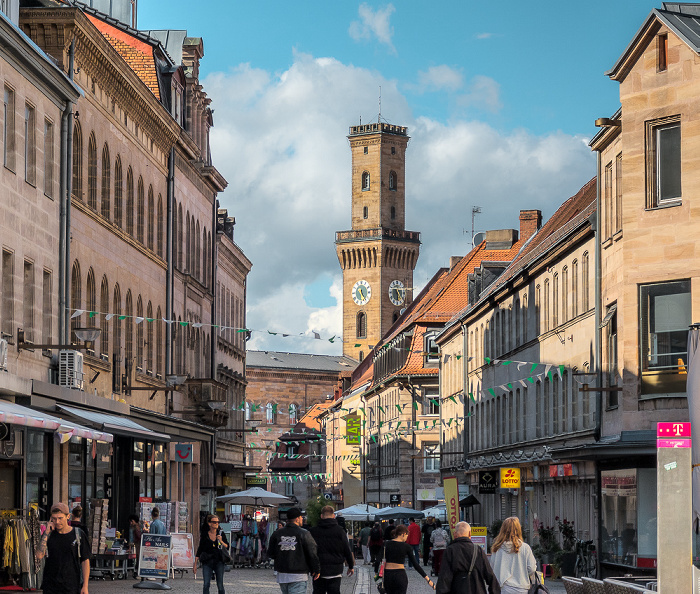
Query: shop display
[19, 537]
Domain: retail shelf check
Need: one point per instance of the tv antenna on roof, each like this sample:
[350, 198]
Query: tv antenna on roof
[475, 211]
[379, 119]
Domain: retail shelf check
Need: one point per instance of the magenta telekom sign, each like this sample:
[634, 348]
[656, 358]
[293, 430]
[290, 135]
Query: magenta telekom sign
[673, 435]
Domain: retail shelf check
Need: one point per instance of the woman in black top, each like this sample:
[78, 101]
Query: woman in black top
[209, 553]
[395, 553]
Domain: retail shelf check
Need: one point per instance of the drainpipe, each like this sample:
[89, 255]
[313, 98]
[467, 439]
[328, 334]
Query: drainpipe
[62, 225]
[598, 346]
[67, 166]
[170, 280]
[413, 444]
[465, 375]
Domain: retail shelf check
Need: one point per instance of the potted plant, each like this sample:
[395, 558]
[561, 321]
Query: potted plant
[547, 546]
[566, 558]
[493, 530]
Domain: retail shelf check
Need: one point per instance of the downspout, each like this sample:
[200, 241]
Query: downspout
[598, 346]
[62, 225]
[170, 273]
[66, 199]
[413, 443]
[465, 375]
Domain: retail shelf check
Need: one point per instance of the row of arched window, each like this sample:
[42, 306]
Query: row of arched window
[393, 180]
[126, 201]
[271, 412]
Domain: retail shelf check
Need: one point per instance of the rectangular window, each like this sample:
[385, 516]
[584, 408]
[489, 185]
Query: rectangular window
[432, 457]
[48, 158]
[28, 301]
[663, 52]
[665, 315]
[431, 401]
[289, 489]
[618, 193]
[8, 129]
[47, 313]
[608, 212]
[610, 321]
[8, 292]
[664, 161]
[30, 144]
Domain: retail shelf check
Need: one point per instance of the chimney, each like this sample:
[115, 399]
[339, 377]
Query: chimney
[530, 223]
[454, 260]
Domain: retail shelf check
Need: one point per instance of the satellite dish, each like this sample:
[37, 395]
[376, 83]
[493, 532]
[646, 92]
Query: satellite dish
[403, 310]
[478, 238]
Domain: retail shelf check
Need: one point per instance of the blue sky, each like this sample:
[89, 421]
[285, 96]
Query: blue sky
[499, 98]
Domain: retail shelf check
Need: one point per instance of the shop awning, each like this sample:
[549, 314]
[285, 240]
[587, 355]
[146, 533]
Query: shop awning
[114, 424]
[14, 414]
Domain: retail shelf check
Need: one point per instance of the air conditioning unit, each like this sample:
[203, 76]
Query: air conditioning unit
[70, 369]
[3, 354]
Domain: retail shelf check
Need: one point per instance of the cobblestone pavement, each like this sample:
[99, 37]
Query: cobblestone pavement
[262, 581]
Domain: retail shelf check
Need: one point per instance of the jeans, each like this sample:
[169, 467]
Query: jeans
[208, 571]
[416, 553]
[294, 588]
[324, 586]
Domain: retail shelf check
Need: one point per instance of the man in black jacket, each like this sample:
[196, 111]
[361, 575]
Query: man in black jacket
[333, 551]
[465, 567]
[427, 530]
[294, 552]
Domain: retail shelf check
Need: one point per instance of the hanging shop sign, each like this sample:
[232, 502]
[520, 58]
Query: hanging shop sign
[353, 429]
[510, 478]
[394, 498]
[487, 482]
[183, 452]
[255, 481]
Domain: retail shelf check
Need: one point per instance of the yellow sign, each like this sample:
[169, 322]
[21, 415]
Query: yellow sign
[479, 531]
[449, 483]
[510, 478]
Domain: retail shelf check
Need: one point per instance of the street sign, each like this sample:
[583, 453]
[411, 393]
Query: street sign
[510, 478]
[487, 482]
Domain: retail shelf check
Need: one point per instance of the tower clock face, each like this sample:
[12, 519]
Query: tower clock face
[397, 292]
[361, 292]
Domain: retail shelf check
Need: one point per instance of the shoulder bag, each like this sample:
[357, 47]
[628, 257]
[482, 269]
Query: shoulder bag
[538, 586]
[379, 580]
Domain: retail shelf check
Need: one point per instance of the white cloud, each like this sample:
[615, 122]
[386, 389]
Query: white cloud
[374, 23]
[280, 141]
[440, 78]
[484, 93]
[483, 35]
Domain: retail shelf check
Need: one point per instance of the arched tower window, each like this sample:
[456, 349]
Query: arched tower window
[130, 202]
[151, 218]
[92, 173]
[77, 189]
[365, 180]
[118, 197]
[361, 325]
[104, 323]
[129, 323]
[392, 180]
[140, 210]
[160, 223]
[105, 206]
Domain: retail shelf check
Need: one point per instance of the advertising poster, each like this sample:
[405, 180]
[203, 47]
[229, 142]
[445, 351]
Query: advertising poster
[182, 551]
[449, 483]
[154, 561]
[479, 534]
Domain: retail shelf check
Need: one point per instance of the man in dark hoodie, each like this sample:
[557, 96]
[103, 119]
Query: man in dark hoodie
[294, 552]
[465, 567]
[333, 551]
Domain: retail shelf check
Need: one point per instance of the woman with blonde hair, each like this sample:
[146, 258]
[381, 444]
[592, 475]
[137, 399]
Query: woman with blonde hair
[512, 559]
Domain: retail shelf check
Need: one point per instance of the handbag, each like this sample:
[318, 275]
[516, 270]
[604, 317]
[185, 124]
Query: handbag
[225, 554]
[538, 586]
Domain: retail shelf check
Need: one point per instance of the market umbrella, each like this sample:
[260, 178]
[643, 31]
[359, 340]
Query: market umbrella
[255, 496]
[360, 511]
[439, 512]
[693, 394]
[397, 513]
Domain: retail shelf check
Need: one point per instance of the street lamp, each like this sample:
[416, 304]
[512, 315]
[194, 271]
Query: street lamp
[86, 335]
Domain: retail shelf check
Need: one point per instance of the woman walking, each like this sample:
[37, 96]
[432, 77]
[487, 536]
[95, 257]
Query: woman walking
[211, 543]
[438, 538]
[395, 553]
[512, 559]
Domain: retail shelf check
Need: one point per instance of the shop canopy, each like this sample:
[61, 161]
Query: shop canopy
[14, 414]
[397, 513]
[361, 511]
[117, 425]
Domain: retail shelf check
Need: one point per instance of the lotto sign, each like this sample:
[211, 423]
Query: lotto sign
[510, 478]
[449, 483]
[353, 426]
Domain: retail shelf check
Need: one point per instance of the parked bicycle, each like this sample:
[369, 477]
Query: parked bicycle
[586, 559]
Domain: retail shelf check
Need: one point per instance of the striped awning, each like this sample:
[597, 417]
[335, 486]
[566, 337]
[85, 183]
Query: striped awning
[14, 414]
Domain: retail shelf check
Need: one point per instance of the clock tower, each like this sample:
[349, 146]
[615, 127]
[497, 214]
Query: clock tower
[377, 255]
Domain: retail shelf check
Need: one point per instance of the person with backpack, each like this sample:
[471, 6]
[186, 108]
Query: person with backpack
[465, 567]
[67, 553]
[512, 559]
[333, 552]
[438, 538]
[376, 541]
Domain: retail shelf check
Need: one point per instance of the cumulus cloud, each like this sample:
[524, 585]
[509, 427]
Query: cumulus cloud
[374, 24]
[280, 141]
[484, 93]
[440, 78]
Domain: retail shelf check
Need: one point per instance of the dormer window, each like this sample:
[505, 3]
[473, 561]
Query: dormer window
[431, 351]
[365, 181]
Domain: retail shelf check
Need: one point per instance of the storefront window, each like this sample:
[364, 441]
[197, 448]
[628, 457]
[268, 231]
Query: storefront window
[38, 457]
[76, 470]
[149, 469]
[628, 531]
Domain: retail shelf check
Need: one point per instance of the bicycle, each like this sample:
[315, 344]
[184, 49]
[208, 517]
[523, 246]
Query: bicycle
[586, 559]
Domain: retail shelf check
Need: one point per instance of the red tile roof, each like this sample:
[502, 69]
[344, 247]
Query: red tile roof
[136, 53]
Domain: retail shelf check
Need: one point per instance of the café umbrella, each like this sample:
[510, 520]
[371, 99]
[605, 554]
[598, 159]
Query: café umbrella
[256, 496]
[361, 511]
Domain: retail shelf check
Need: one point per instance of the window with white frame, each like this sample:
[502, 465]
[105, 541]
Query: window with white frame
[431, 400]
[293, 414]
[663, 139]
[431, 349]
[431, 457]
[270, 410]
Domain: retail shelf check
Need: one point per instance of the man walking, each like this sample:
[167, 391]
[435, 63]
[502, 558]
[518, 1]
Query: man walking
[294, 552]
[465, 567]
[414, 537]
[157, 526]
[333, 549]
[364, 542]
[427, 530]
[389, 530]
[67, 552]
